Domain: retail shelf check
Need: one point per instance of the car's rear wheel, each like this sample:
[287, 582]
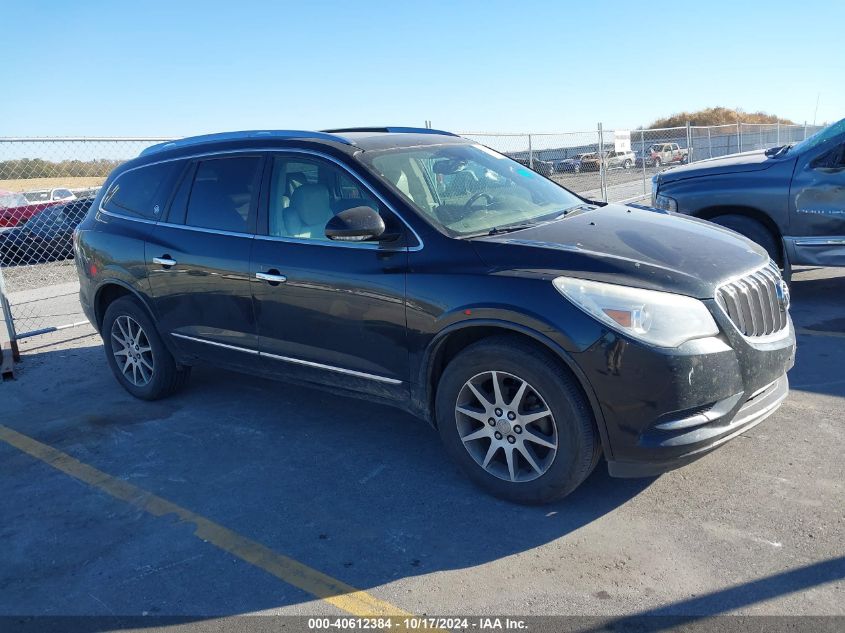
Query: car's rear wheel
[136, 354]
[754, 231]
[657, 163]
[516, 421]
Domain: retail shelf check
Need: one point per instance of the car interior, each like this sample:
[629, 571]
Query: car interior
[305, 195]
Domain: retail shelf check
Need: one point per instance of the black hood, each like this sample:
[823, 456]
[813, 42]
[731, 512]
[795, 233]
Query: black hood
[627, 245]
[736, 163]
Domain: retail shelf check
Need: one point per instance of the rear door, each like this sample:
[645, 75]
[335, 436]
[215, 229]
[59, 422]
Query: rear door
[198, 260]
[328, 312]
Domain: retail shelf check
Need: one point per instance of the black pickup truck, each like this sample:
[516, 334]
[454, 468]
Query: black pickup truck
[788, 199]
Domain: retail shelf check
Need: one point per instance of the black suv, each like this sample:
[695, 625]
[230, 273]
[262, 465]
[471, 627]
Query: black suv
[789, 199]
[535, 329]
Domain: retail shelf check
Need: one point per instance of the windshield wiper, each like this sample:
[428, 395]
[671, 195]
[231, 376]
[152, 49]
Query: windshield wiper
[508, 228]
[579, 207]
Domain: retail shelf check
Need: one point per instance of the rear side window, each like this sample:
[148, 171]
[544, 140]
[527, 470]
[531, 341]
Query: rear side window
[224, 193]
[143, 192]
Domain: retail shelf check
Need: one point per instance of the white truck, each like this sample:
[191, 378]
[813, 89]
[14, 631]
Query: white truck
[663, 154]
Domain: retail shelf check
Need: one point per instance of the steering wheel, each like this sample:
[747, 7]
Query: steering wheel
[477, 196]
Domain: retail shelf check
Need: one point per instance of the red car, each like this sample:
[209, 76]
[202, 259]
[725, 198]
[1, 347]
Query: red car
[16, 209]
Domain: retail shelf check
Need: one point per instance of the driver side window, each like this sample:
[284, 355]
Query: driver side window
[833, 159]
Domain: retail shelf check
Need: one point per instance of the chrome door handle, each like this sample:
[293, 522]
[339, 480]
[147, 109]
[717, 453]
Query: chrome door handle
[164, 261]
[272, 277]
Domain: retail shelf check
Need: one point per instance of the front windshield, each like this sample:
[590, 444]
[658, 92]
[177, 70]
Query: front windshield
[822, 136]
[469, 189]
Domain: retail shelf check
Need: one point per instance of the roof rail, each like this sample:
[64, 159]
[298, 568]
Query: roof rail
[247, 134]
[392, 130]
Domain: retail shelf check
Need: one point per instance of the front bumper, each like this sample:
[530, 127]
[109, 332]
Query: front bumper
[663, 408]
[708, 434]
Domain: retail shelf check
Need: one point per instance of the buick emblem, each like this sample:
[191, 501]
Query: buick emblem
[503, 426]
[782, 292]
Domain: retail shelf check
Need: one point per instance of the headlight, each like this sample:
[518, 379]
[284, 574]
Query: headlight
[665, 202]
[660, 318]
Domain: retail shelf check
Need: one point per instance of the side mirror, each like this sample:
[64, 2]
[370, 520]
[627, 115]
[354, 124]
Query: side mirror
[359, 224]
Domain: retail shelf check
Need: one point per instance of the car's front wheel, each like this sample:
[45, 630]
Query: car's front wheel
[627, 164]
[516, 422]
[136, 354]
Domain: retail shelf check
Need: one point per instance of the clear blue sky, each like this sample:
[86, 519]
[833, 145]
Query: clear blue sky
[184, 67]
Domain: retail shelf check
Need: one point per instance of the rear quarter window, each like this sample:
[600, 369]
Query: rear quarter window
[143, 191]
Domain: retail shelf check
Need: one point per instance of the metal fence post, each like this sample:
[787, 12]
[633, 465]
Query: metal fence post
[805, 129]
[530, 153]
[689, 142]
[739, 135]
[709, 144]
[7, 316]
[778, 134]
[642, 155]
[602, 171]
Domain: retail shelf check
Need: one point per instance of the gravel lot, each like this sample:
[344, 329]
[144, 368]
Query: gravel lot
[365, 494]
[20, 278]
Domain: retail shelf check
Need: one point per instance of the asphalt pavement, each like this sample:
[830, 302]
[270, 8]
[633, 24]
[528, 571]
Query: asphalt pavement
[245, 496]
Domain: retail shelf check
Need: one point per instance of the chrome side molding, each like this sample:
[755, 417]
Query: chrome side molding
[296, 361]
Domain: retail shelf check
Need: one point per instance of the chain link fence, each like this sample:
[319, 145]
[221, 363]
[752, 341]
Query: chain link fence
[617, 165]
[46, 187]
[47, 184]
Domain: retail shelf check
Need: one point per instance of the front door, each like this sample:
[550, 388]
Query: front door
[817, 213]
[328, 312]
[198, 261]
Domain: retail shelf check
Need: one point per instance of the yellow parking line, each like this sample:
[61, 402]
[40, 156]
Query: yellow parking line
[809, 332]
[316, 583]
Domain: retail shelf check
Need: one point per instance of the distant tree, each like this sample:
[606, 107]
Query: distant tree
[39, 168]
[717, 116]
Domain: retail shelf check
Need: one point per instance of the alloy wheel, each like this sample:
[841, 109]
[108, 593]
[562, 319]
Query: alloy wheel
[506, 426]
[132, 351]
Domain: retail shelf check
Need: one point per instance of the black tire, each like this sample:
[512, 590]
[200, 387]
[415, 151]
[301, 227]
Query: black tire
[657, 163]
[754, 231]
[627, 164]
[578, 445]
[167, 376]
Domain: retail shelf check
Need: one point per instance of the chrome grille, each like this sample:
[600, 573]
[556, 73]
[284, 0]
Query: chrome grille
[756, 303]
